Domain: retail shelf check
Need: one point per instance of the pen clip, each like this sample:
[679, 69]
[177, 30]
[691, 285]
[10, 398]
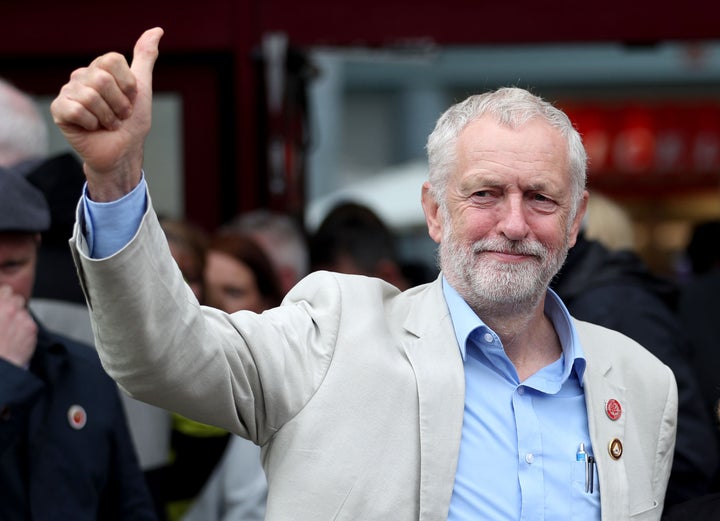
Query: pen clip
[590, 474]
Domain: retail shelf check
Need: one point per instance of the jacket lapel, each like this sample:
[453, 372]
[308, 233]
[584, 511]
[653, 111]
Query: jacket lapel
[600, 388]
[436, 361]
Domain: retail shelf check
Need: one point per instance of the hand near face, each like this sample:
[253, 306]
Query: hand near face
[18, 331]
[104, 112]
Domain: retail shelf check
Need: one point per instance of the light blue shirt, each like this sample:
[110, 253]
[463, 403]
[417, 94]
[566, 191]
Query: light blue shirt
[519, 440]
[518, 455]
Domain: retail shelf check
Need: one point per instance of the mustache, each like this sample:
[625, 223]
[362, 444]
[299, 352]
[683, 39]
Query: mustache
[500, 245]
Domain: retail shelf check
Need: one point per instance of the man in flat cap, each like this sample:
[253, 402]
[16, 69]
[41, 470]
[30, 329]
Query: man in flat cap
[57, 299]
[65, 449]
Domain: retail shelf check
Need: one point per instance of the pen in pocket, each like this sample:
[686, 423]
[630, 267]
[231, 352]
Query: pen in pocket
[582, 455]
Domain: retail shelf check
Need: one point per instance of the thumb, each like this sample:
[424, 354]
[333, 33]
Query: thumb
[145, 54]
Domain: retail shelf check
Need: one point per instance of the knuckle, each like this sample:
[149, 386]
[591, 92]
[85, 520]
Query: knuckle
[102, 80]
[77, 75]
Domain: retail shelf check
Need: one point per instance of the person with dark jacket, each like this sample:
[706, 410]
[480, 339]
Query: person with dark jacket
[699, 313]
[617, 290]
[65, 448]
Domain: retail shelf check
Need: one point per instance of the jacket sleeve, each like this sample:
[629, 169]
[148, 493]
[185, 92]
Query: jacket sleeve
[162, 347]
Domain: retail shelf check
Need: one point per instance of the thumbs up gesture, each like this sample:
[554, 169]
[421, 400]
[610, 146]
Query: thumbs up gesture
[105, 113]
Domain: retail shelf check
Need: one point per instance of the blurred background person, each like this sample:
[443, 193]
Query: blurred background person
[282, 239]
[239, 276]
[65, 448]
[57, 298]
[353, 239]
[703, 508]
[188, 245]
[609, 223]
[699, 311]
[614, 288]
[23, 131]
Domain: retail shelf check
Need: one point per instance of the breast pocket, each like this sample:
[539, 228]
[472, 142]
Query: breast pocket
[585, 492]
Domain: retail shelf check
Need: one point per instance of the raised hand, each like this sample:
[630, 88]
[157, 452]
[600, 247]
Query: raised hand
[105, 113]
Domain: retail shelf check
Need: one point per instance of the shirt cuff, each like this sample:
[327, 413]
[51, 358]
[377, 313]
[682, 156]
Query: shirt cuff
[110, 226]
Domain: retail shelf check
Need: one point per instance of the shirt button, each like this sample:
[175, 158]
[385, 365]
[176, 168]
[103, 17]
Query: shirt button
[488, 338]
[529, 458]
[521, 390]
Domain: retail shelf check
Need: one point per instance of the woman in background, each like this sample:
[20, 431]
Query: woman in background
[239, 275]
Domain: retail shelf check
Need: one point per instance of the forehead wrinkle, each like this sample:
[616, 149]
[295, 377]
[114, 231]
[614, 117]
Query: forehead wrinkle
[489, 177]
[493, 159]
[514, 145]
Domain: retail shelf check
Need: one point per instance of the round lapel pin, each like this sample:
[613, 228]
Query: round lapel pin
[77, 417]
[613, 409]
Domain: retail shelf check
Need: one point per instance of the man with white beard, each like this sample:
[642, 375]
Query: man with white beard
[476, 396]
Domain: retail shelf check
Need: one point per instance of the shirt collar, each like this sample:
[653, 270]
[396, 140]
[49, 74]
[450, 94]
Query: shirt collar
[465, 321]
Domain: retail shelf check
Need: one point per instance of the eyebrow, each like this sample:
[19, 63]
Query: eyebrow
[492, 181]
[538, 187]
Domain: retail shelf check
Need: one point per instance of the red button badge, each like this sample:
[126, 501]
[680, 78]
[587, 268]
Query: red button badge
[613, 409]
[77, 417]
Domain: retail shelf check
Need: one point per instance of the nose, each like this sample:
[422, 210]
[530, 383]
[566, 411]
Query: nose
[512, 222]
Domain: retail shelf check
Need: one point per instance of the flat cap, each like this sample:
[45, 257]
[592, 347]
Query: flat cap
[23, 207]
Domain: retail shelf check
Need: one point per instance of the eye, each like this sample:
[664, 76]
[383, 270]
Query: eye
[484, 198]
[10, 267]
[235, 292]
[542, 202]
[484, 195]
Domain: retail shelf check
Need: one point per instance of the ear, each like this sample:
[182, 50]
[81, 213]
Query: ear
[577, 222]
[432, 213]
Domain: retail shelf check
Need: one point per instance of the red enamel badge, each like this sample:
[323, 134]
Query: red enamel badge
[613, 409]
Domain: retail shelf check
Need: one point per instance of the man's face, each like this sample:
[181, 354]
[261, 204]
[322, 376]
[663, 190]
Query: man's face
[505, 229]
[18, 258]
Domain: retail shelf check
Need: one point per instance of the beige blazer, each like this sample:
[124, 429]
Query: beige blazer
[354, 390]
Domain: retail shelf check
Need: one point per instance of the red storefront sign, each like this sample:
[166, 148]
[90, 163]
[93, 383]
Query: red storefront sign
[671, 138]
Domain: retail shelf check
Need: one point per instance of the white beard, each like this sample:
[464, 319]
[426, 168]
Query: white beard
[491, 286]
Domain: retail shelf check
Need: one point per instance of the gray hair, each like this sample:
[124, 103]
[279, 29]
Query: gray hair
[511, 106]
[23, 131]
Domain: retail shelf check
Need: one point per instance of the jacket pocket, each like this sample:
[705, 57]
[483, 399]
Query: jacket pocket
[645, 510]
